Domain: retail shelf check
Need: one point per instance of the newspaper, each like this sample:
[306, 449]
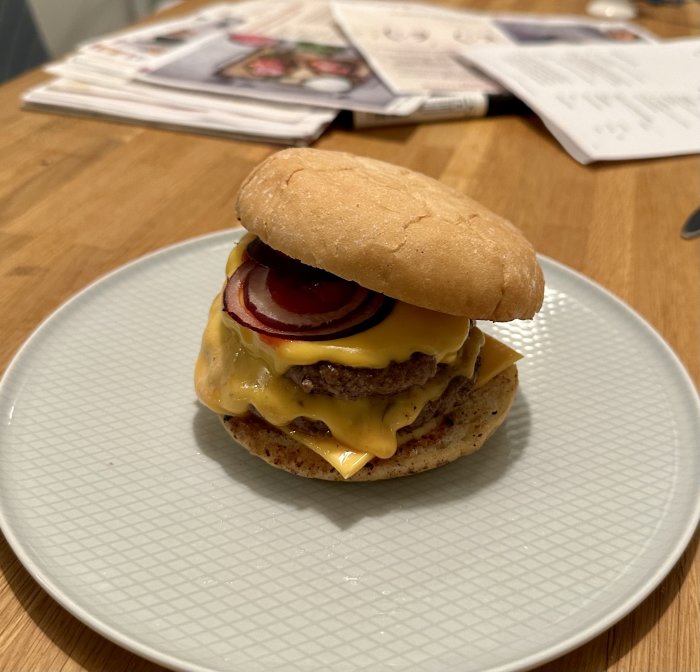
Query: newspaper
[416, 49]
[608, 102]
[292, 54]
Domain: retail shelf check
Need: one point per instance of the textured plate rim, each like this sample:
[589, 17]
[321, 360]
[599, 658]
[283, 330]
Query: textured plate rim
[150, 653]
[627, 605]
[635, 598]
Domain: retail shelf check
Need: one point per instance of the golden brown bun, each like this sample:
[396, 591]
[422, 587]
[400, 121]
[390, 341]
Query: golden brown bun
[394, 231]
[461, 432]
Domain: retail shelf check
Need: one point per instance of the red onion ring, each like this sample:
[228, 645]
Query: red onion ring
[264, 298]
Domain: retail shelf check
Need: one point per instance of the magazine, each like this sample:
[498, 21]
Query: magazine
[279, 70]
[293, 55]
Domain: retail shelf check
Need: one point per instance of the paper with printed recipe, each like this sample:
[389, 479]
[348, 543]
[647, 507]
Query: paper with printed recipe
[607, 102]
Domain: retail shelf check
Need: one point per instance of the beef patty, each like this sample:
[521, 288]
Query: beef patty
[348, 382]
[455, 395]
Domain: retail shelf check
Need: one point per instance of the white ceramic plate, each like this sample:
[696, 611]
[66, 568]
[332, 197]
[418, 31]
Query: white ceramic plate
[127, 503]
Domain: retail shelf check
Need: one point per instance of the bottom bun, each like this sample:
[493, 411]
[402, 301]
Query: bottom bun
[461, 432]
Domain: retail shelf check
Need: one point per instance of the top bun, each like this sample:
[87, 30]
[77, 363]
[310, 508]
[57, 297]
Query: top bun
[394, 231]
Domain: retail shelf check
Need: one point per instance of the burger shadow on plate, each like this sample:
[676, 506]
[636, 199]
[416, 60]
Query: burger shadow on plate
[346, 504]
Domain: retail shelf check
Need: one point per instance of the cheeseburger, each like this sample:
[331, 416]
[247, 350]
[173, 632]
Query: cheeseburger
[343, 344]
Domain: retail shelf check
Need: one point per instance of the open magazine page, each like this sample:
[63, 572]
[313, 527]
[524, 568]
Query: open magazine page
[414, 48]
[278, 58]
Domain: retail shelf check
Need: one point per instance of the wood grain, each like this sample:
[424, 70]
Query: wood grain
[79, 198]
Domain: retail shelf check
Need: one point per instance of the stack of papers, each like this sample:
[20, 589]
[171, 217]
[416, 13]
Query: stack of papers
[263, 69]
[281, 71]
[109, 77]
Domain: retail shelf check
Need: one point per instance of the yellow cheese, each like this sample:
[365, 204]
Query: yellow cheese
[345, 461]
[496, 357]
[229, 381]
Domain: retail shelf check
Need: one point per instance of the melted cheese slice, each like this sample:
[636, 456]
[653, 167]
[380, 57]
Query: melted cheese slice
[229, 380]
[496, 357]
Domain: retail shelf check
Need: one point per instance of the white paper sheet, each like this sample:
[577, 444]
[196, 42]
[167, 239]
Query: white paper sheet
[605, 102]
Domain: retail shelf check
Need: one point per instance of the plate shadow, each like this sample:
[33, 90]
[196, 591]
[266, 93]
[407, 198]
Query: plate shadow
[345, 504]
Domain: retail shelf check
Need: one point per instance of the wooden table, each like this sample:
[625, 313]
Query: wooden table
[79, 198]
